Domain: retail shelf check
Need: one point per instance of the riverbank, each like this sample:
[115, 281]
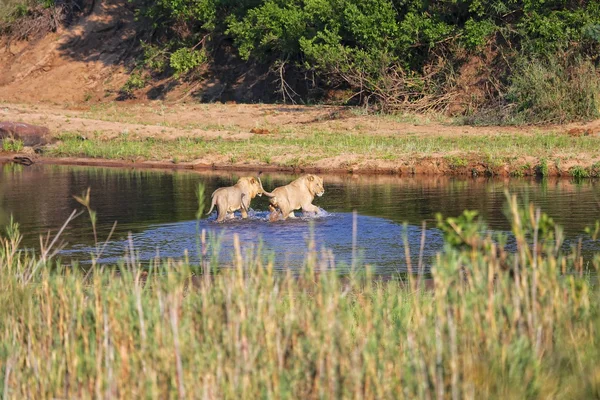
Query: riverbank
[302, 139]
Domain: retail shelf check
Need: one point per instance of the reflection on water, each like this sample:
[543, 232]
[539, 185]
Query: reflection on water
[159, 208]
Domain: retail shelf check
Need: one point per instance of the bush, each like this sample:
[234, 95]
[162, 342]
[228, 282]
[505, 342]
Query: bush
[555, 90]
[396, 54]
[135, 81]
[184, 60]
[404, 54]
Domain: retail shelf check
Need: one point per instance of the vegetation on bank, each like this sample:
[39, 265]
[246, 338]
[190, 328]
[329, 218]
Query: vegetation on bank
[30, 19]
[553, 152]
[496, 62]
[523, 61]
[523, 324]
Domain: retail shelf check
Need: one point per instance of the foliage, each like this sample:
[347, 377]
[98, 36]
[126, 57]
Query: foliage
[135, 81]
[401, 52]
[185, 60]
[578, 173]
[12, 145]
[462, 231]
[541, 57]
[155, 57]
[555, 90]
[25, 19]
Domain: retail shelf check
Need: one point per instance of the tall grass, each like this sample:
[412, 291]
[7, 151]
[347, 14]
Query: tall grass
[556, 91]
[553, 89]
[495, 325]
[11, 9]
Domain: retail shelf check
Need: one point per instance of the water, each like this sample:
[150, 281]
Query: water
[158, 208]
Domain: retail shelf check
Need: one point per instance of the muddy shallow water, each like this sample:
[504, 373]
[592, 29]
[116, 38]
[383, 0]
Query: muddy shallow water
[158, 208]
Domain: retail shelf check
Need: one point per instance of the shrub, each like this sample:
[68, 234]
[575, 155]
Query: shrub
[184, 60]
[135, 81]
[25, 19]
[395, 54]
[555, 91]
[155, 57]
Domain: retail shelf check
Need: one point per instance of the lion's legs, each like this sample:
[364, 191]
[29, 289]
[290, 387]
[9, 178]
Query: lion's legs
[310, 208]
[285, 211]
[245, 205]
[221, 214]
[291, 215]
[275, 213]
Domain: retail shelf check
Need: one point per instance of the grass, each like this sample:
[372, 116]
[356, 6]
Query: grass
[12, 145]
[283, 148]
[456, 162]
[579, 172]
[11, 9]
[542, 168]
[496, 325]
[543, 90]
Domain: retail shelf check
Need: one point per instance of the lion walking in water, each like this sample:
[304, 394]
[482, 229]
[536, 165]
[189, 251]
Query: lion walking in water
[232, 198]
[298, 194]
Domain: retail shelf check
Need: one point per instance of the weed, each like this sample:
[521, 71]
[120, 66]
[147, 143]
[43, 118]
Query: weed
[293, 162]
[135, 81]
[595, 170]
[542, 168]
[518, 172]
[455, 162]
[578, 172]
[12, 145]
[557, 163]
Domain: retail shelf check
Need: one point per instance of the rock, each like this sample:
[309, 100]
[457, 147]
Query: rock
[260, 131]
[579, 132]
[30, 135]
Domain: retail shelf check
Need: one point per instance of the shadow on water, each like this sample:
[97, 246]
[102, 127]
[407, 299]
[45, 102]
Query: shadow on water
[159, 208]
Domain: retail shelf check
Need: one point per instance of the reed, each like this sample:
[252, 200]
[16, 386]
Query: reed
[497, 324]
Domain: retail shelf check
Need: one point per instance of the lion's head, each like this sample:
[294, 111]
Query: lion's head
[252, 185]
[314, 185]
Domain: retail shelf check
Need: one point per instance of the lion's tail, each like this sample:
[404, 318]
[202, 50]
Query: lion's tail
[212, 205]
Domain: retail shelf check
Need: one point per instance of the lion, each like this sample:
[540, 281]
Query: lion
[298, 194]
[232, 198]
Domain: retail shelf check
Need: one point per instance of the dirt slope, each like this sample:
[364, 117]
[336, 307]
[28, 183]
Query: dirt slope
[82, 62]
